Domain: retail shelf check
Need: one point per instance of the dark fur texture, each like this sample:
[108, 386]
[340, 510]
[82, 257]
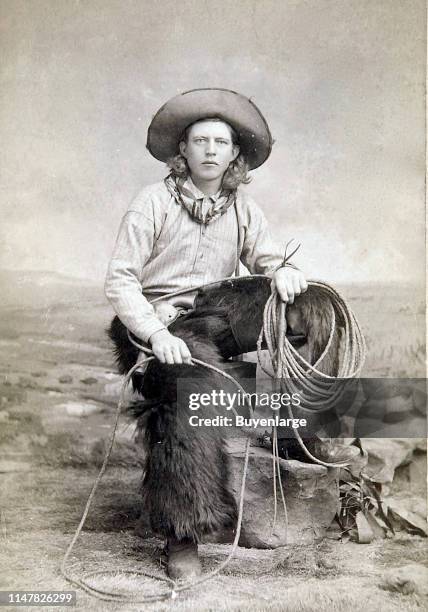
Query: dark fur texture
[186, 484]
[310, 316]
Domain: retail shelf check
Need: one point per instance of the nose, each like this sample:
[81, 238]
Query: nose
[211, 148]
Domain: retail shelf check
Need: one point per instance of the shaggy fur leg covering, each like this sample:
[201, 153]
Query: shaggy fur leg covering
[185, 488]
[186, 484]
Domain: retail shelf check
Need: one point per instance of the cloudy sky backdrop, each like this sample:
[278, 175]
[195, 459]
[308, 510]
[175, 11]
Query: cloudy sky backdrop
[341, 83]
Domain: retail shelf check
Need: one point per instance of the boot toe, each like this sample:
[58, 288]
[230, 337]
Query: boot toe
[184, 571]
[183, 561]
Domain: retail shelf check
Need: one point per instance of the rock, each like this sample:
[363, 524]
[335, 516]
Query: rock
[90, 380]
[65, 379]
[311, 494]
[420, 399]
[387, 410]
[39, 374]
[78, 409]
[27, 383]
[406, 580]
[364, 530]
[408, 513]
[384, 388]
[421, 444]
[4, 415]
[385, 455]
[417, 474]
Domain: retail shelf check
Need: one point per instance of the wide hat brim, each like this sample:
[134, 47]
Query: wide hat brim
[181, 111]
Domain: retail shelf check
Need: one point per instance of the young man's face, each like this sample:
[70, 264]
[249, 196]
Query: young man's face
[209, 150]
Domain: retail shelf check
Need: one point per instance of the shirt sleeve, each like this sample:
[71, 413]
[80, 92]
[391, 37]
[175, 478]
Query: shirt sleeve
[260, 253]
[122, 287]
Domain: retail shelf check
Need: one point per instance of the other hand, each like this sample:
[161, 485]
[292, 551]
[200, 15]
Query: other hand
[289, 283]
[169, 349]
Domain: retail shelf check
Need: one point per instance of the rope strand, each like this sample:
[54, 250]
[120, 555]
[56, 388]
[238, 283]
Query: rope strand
[176, 588]
[319, 391]
[321, 394]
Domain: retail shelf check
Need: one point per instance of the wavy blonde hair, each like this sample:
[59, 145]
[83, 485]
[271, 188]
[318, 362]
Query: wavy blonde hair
[236, 173]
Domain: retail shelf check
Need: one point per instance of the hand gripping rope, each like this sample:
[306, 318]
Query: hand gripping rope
[293, 373]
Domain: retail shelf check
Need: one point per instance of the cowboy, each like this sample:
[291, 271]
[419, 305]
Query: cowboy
[193, 228]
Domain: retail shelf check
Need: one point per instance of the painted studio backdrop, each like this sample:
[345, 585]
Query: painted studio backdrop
[340, 83]
[342, 86]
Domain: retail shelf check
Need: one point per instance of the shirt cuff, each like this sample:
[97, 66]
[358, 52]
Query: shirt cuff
[149, 327]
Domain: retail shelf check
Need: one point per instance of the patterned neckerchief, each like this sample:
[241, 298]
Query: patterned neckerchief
[184, 196]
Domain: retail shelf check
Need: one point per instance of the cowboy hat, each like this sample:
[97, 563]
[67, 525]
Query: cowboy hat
[169, 123]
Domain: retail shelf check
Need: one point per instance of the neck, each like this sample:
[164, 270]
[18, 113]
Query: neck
[209, 188]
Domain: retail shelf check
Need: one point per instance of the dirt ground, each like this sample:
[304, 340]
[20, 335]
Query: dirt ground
[52, 371]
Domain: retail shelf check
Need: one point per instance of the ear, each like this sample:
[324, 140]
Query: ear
[182, 147]
[235, 151]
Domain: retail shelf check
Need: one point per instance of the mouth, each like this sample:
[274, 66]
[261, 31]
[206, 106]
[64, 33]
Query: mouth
[209, 163]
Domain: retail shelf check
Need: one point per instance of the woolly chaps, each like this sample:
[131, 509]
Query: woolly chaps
[186, 486]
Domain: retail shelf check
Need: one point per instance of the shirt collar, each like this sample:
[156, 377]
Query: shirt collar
[197, 193]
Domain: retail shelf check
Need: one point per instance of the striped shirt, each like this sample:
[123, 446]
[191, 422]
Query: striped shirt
[161, 249]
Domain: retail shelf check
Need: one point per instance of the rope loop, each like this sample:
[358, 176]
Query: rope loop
[321, 393]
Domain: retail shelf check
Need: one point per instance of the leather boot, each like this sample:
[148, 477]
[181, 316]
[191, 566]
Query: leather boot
[183, 560]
